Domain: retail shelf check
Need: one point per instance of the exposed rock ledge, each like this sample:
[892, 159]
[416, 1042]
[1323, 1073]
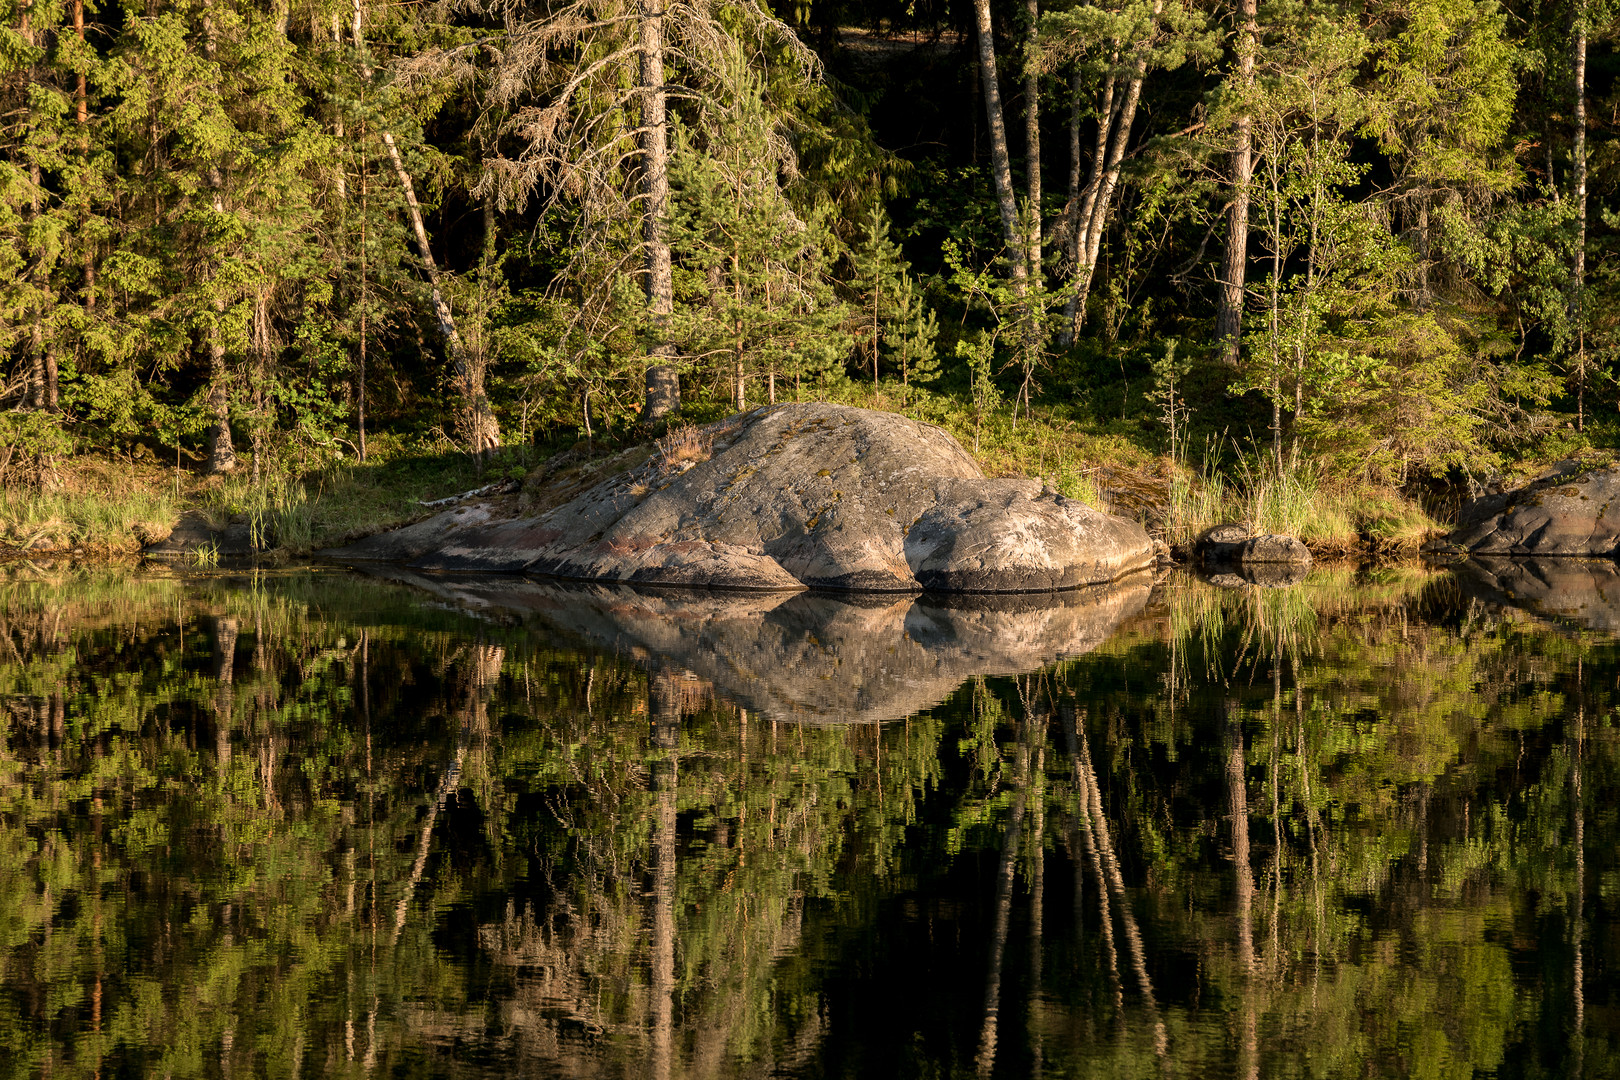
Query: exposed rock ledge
[1568, 511]
[790, 496]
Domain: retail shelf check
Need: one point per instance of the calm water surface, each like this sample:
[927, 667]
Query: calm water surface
[323, 824]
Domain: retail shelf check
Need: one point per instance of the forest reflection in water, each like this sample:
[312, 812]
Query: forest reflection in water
[313, 823]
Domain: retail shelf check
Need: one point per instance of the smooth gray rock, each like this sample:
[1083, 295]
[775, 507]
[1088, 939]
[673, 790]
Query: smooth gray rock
[818, 495]
[1273, 548]
[1015, 537]
[1568, 511]
[1222, 536]
[414, 541]
[811, 657]
[193, 537]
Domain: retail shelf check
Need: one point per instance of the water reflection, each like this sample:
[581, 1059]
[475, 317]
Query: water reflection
[324, 825]
[1585, 592]
[812, 657]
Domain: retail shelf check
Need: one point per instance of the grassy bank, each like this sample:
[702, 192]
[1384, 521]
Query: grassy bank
[1106, 465]
[114, 505]
[102, 505]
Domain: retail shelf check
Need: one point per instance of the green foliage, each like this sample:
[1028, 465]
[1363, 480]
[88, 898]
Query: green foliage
[893, 314]
[213, 227]
[753, 280]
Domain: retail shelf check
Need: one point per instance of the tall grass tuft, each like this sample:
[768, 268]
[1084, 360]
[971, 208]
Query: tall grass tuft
[117, 520]
[1296, 502]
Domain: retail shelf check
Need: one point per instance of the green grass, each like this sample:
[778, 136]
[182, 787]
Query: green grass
[1104, 465]
[112, 518]
[117, 504]
[347, 498]
[1329, 516]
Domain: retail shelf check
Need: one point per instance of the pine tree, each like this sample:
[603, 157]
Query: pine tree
[913, 331]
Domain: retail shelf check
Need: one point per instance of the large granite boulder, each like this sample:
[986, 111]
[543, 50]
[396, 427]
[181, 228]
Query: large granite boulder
[809, 657]
[789, 496]
[1568, 511]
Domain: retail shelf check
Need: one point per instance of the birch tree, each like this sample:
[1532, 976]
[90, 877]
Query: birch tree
[478, 430]
[1115, 48]
[1235, 255]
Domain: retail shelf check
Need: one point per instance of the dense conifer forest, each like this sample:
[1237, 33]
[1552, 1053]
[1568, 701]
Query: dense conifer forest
[1323, 265]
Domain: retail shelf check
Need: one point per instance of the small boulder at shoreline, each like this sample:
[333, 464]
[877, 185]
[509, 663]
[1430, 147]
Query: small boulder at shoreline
[1233, 545]
[1568, 511]
[793, 496]
[193, 536]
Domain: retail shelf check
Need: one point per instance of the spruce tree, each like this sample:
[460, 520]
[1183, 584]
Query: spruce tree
[752, 271]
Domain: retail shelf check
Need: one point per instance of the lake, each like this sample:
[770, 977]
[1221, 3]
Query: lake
[317, 823]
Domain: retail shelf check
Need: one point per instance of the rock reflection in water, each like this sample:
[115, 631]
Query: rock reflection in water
[1585, 592]
[815, 657]
[1265, 575]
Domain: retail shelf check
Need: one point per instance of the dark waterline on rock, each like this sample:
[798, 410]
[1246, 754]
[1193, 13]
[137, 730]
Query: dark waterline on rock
[320, 823]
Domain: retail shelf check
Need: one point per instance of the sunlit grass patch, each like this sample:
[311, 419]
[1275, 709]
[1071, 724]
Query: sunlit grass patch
[92, 506]
[1330, 516]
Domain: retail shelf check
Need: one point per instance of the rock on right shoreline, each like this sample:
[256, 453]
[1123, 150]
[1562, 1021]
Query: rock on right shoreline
[1569, 511]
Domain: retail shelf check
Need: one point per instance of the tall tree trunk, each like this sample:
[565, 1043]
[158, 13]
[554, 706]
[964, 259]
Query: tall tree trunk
[1032, 317]
[41, 385]
[52, 404]
[339, 180]
[1000, 162]
[81, 115]
[1229, 316]
[663, 385]
[365, 300]
[1071, 204]
[221, 449]
[1082, 200]
[973, 112]
[1098, 201]
[479, 430]
[262, 349]
[1578, 278]
[1032, 138]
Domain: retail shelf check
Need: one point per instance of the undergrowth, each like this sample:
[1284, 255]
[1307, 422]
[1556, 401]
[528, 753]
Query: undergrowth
[301, 504]
[91, 503]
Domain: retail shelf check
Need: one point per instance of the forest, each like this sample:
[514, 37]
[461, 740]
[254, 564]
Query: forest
[1322, 265]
